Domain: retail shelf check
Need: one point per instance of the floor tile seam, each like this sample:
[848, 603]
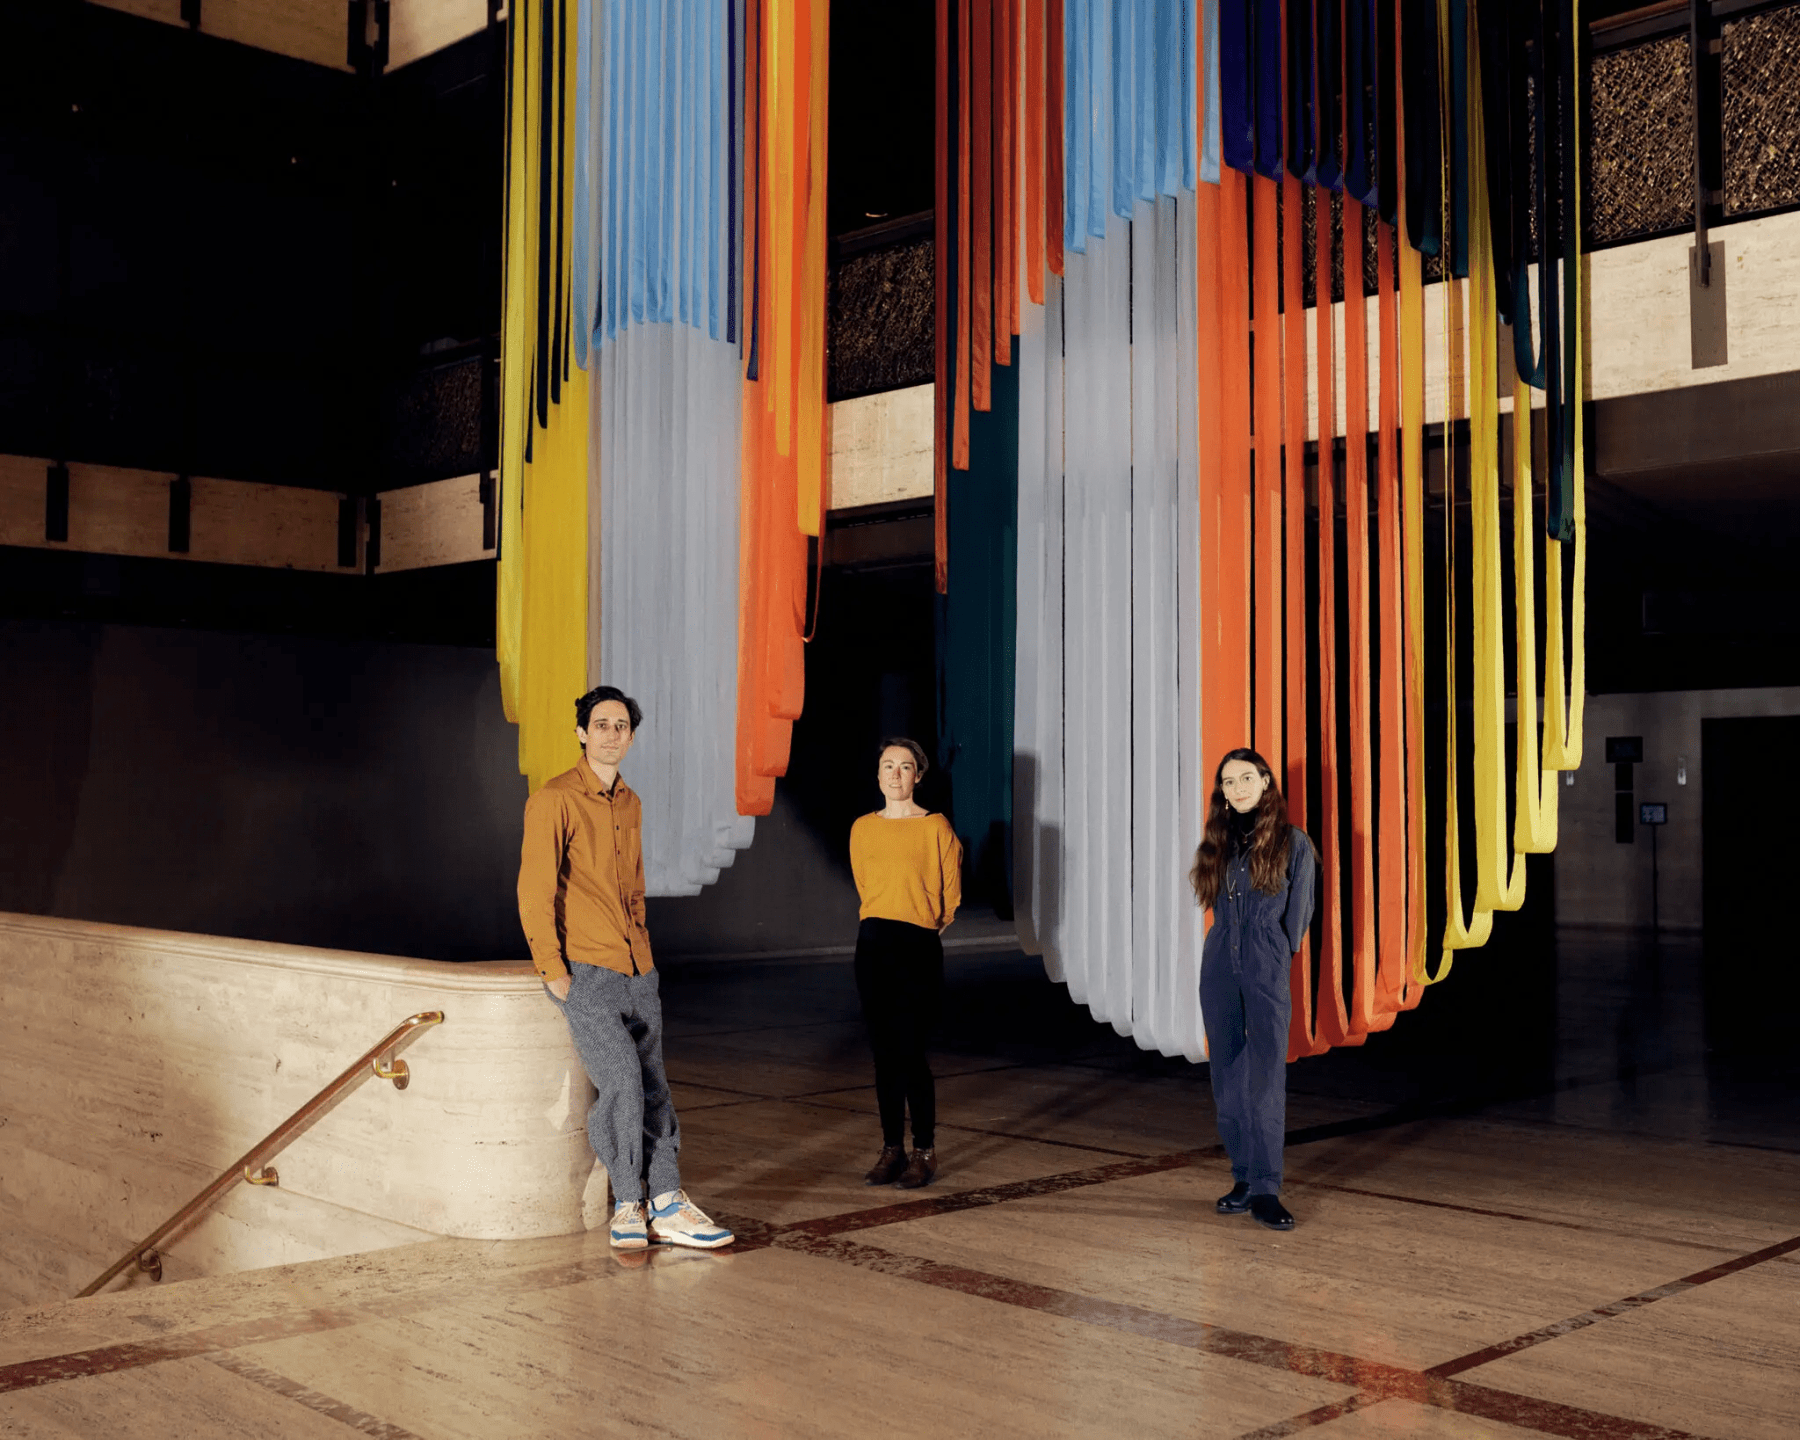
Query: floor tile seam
[1629, 1304]
[304, 1395]
[1377, 1380]
[1320, 1415]
[187, 1345]
[1540, 1122]
[287, 1323]
[928, 1207]
[1635, 1235]
[1313, 1362]
[944, 1124]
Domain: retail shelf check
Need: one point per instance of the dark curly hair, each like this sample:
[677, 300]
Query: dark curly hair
[584, 707]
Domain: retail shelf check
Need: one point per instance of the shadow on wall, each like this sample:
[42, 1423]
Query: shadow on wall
[354, 795]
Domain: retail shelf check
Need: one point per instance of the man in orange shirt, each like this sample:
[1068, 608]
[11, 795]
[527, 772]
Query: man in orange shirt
[581, 901]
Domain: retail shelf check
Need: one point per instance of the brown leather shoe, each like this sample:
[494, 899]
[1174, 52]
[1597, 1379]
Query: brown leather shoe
[921, 1169]
[887, 1167]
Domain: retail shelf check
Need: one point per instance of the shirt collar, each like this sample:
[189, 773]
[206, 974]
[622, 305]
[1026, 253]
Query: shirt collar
[591, 783]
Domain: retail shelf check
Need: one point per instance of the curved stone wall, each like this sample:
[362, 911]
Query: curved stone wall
[137, 1064]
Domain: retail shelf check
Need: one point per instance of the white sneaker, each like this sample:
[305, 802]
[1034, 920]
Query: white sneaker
[628, 1227]
[682, 1222]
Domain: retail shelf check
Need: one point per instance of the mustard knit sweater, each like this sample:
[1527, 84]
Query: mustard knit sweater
[908, 869]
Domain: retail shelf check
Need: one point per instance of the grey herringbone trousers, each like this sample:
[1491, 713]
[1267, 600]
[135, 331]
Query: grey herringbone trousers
[616, 1020]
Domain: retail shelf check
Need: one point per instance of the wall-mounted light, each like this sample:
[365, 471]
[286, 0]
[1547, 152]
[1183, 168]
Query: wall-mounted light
[1681, 769]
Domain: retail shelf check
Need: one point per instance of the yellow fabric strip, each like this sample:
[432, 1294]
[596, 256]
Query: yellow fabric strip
[1534, 788]
[1564, 720]
[520, 265]
[1458, 933]
[780, 153]
[809, 401]
[1495, 887]
[1412, 491]
[542, 597]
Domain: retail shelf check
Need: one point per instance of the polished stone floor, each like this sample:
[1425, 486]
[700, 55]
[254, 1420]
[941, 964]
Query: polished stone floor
[1523, 1212]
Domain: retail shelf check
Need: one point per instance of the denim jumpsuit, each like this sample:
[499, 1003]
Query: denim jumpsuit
[1245, 1002]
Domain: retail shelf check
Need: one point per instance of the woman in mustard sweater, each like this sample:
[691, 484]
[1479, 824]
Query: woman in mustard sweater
[908, 868]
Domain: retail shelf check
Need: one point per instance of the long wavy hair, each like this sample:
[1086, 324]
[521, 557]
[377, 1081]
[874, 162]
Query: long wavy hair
[1268, 836]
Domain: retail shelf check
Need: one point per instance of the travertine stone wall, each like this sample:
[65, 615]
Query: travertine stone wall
[135, 1065]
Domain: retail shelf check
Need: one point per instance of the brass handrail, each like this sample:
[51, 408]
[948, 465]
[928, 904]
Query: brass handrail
[144, 1253]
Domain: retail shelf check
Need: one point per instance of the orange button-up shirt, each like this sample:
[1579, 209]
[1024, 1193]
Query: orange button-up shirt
[581, 876]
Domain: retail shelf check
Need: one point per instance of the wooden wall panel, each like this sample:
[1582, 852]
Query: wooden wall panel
[881, 448]
[22, 500]
[234, 523]
[118, 512]
[313, 30]
[439, 523]
[420, 27]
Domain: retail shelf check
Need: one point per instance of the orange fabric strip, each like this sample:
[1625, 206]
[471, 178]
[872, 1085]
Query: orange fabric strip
[1294, 487]
[1294, 490]
[940, 281]
[1326, 1024]
[755, 792]
[981, 198]
[1390, 707]
[1034, 151]
[1224, 509]
[1053, 137]
[1267, 513]
[959, 453]
[1361, 937]
[1006, 270]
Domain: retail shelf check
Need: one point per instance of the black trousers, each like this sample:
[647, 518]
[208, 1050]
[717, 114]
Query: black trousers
[900, 977]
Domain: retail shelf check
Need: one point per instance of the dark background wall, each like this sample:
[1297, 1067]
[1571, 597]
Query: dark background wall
[308, 789]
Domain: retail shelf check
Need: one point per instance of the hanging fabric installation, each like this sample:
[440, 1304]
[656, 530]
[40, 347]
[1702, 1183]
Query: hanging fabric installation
[1224, 533]
[663, 441]
[783, 439]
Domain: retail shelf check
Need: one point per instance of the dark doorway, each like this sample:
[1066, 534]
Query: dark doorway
[1750, 855]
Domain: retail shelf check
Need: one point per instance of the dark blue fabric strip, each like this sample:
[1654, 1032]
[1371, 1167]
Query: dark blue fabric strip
[1459, 138]
[1421, 122]
[1357, 47]
[1236, 133]
[1328, 70]
[1387, 114]
[1266, 43]
[1300, 122]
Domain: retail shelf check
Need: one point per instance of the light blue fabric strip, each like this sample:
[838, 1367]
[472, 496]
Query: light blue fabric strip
[717, 91]
[579, 319]
[661, 133]
[1209, 118]
[1115, 80]
[1076, 126]
[1190, 100]
[1099, 78]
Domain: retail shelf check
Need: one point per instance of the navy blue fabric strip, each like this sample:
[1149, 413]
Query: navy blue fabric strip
[1300, 122]
[1420, 117]
[1459, 138]
[1236, 133]
[1328, 68]
[1387, 114]
[1266, 70]
[1359, 98]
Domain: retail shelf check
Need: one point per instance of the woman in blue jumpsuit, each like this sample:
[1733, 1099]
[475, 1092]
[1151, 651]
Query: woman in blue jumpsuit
[1256, 873]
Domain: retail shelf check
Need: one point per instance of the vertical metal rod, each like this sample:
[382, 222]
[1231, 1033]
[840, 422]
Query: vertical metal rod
[1655, 909]
[1697, 52]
